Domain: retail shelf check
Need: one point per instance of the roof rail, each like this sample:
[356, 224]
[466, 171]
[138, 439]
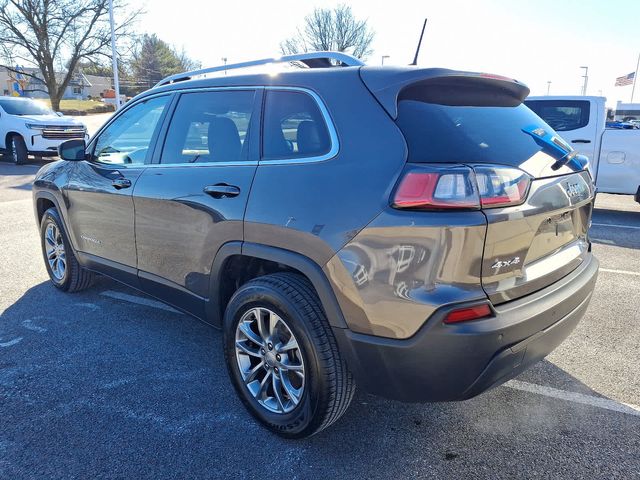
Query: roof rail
[311, 60]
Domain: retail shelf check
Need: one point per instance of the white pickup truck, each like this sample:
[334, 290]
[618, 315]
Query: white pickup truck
[614, 155]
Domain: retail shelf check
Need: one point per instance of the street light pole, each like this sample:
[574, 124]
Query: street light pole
[224, 59]
[586, 79]
[383, 57]
[114, 57]
[548, 87]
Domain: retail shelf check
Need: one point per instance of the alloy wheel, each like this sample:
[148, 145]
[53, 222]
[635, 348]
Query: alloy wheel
[54, 248]
[14, 151]
[270, 360]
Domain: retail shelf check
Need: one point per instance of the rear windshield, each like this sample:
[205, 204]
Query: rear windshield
[462, 134]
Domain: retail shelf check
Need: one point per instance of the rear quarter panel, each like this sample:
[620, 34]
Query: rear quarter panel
[315, 208]
[404, 266]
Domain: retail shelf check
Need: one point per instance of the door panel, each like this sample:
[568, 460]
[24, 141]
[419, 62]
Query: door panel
[100, 213]
[193, 201]
[619, 169]
[180, 228]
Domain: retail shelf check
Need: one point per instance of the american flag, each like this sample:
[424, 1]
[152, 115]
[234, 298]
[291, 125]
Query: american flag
[626, 80]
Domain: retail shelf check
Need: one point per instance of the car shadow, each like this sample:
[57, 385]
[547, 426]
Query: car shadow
[93, 385]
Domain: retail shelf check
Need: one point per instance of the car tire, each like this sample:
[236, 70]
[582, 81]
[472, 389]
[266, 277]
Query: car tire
[18, 150]
[62, 266]
[321, 383]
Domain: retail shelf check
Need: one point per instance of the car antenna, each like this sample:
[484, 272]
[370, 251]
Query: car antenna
[415, 59]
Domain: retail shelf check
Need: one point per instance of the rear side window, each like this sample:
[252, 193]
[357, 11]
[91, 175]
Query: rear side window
[470, 134]
[562, 115]
[293, 126]
[209, 127]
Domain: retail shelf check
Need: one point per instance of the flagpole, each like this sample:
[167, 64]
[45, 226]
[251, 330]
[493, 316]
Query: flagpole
[635, 78]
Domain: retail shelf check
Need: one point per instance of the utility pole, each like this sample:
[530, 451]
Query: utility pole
[383, 57]
[635, 79]
[586, 79]
[114, 61]
[548, 87]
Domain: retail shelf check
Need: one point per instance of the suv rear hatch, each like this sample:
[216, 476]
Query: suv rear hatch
[534, 191]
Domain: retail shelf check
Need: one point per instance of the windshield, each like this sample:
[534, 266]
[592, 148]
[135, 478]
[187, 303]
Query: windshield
[461, 134]
[23, 106]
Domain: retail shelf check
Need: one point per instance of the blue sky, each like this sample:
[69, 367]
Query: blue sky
[534, 41]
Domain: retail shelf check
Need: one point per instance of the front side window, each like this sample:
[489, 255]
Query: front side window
[562, 115]
[127, 139]
[293, 126]
[209, 127]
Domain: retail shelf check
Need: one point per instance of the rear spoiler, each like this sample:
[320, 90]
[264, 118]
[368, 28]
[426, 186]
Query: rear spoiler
[441, 86]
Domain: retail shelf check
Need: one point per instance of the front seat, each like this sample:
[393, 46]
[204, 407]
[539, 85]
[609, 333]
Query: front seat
[224, 140]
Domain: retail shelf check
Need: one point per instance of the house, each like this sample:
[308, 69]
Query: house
[97, 86]
[5, 82]
[26, 85]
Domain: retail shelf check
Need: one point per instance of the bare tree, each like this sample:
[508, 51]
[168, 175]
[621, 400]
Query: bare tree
[331, 29]
[54, 33]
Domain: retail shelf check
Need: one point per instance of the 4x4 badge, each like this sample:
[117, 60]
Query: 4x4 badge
[506, 263]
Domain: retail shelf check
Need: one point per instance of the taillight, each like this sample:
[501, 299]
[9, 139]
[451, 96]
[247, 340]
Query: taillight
[434, 188]
[475, 312]
[501, 186]
[437, 187]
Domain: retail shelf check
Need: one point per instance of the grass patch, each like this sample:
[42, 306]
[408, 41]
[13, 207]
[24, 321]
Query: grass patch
[81, 107]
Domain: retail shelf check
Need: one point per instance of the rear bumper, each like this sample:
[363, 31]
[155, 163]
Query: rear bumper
[454, 362]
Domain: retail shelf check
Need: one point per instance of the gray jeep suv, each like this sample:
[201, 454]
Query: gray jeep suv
[418, 232]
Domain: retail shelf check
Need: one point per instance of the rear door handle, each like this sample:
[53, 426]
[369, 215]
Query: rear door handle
[120, 183]
[580, 140]
[222, 190]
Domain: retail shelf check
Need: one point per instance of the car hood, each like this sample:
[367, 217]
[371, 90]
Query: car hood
[52, 120]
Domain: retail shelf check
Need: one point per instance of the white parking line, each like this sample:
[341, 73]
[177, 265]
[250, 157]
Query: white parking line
[592, 401]
[11, 343]
[625, 272]
[147, 302]
[633, 227]
[603, 240]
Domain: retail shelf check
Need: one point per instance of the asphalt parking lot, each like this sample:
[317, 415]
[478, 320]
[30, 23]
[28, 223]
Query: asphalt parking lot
[109, 384]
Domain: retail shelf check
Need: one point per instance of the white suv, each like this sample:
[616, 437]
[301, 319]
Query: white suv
[29, 128]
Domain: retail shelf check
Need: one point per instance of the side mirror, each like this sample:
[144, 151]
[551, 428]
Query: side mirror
[60, 114]
[73, 150]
